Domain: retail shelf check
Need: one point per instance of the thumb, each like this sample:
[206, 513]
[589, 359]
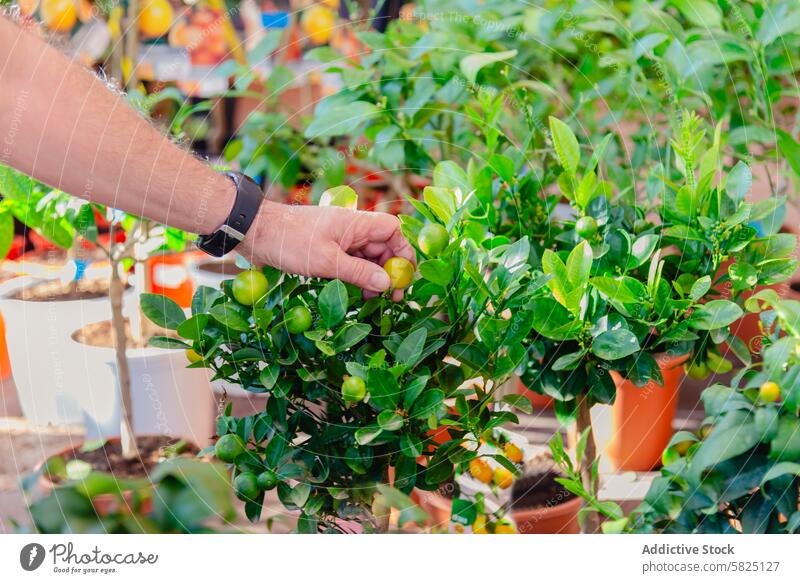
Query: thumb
[365, 274]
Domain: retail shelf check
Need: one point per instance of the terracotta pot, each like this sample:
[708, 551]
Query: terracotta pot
[559, 519]
[539, 401]
[437, 506]
[104, 504]
[641, 417]
[168, 275]
[5, 363]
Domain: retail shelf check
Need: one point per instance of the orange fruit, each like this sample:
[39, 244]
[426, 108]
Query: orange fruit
[58, 15]
[155, 18]
[317, 23]
[85, 10]
[513, 453]
[480, 470]
[503, 478]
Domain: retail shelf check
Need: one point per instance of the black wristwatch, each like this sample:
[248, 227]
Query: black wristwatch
[244, 211]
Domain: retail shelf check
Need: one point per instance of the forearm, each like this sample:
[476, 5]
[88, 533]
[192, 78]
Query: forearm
[63, 126]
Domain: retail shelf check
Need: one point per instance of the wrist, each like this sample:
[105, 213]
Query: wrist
[221, 195]
[265, 231]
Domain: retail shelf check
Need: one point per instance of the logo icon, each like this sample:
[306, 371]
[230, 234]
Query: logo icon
[31, 556]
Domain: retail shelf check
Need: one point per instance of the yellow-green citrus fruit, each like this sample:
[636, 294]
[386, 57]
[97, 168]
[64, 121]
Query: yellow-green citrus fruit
[669, 456]
[353, 389]
[432, 239]
[769, 392]
[682, 447]
[479, 526]
[502, 478]
[504, 527]
[192, 356]
[586, 227]
[229, 447]
[267, 480]
[246, 486]
[249, 287]
[481, 470]
[401, 272]
[705, 431]
[298, 320]
[697, 370]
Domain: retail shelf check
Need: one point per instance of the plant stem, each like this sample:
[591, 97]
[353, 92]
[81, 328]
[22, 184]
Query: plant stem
[116, 291]
[591, 524]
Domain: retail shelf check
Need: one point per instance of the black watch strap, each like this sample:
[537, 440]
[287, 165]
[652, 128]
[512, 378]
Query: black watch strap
[244, 211]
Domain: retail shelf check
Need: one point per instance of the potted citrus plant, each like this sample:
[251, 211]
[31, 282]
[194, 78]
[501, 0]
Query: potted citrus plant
[356, 385]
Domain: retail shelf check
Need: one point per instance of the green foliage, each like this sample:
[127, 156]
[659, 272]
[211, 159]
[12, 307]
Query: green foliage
[741, 473]
[180, 495]
[330, 454]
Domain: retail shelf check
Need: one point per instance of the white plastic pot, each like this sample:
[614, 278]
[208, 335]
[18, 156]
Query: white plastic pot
[48, 374]
[168, 398]
[214, 280]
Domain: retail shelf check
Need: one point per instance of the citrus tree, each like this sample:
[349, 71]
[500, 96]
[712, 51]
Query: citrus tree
[627, 283]
[739, 472]
[358, 387]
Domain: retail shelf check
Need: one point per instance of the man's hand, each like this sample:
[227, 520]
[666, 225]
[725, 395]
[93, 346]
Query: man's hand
[327, 242]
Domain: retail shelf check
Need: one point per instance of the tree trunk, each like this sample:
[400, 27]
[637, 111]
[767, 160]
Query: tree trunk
[130, 56]
[591, 524]
[127, 437]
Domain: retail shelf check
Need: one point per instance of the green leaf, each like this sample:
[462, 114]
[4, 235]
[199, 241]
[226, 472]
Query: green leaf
[390, 420]
[340, 196]
[429, 403]
[341, 119]
[625, 290]
[442, 201]
[641, 250]
[700, 288]
[349, 335]
[521, 402]
[203, 297]
[579, 264]
[229, 316]
[437, 271]
[6, 233]
[790, 149]
[411, 445]
[384, 392]
[472, 64]
[161, 310]
[552, 320]
[85, 223]
[367, 435]
[167, 342]
[739, 181]
[566, 145]
[715, 314]
[450, 175]
[615, 344]
[333, 303]
[192, 328]
[410, 349]
[701, 13]
[269, 376]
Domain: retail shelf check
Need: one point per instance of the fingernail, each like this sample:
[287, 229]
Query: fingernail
[379, 280]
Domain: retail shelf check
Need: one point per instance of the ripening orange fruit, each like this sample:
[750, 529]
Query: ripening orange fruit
[317, 23]
[513, 452]
[480, 470]
[59, 15]
[155, 18]
[503, 478]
